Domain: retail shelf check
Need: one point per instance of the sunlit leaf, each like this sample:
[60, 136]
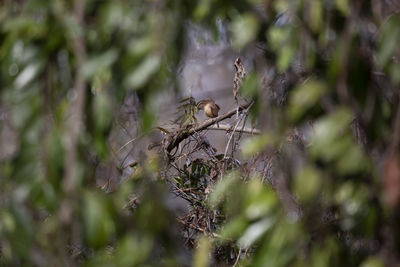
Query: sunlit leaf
[201, 257]
[141, 74]
[140, 47]
[260, 200]
[27, 75]
[244, 28]
[305, 97]
[250, 85]
[7, 222]
[395, 73]
[98, 222]
[132, 250]
[307, 183]
[281, 246]
[343, 6]
[234, 228]
[147, 118]
[113, 16]
[321, 255]
[223, 187]
[327, 141]
[98, 63]
[316, 19]
[102, 110]
[255, 144]
[352, 161]
[388, 40]
[255, 231]
[285, 56]
[283, 41]
[202, 9]
[21, 229]
[373, 262]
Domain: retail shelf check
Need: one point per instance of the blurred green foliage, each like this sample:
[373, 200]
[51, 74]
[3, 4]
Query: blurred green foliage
[348, 54]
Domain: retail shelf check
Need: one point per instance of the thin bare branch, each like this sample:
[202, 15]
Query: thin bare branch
[227, 128]
[231, 135]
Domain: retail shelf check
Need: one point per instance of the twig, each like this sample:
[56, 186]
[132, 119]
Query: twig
[233, 132]
[227, 127]
[127, 143]
[194, 227]
[230, 137]
[238, 256]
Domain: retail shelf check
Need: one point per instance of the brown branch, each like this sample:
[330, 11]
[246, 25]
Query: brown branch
[75, 121]
[175, 139]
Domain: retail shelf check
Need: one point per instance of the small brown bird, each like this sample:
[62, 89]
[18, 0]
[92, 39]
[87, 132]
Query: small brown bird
[210, 108]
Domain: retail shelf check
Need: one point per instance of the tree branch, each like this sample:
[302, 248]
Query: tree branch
[75, 121]
[175, 139]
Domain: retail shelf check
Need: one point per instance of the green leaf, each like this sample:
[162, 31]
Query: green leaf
[255, 231]
[249, 87]
[234, 228]
[132, 250]
[142, 73]
[101, 110]
[373, 261]
[256, 144]
[260, 200]
[343, 6]
[202, 9]
[28, 74]
[283, 40]
[344, 192]
[21, 229]
[307, 183]
[389, 39]
[316, 18]
[141, 47]
[285, 57]
[305, 97]
[328, 141]
[148, 118]
[394, 71]
[98, 222]
[278, 36]
[113, 16]
[223, 187]
[244, 29]
[333, 142]
[99, 63]
[352, 161]
[281, 246]
[201, 257]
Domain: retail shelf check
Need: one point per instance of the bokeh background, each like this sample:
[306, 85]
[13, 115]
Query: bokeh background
[84, 85]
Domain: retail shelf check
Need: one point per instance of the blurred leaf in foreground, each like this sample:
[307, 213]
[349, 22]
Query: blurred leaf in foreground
[98, 221]
[305, 97]
[201, 256]
[244, 28]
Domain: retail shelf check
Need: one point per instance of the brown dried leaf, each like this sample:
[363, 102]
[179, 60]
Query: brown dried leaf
[391, 180]
[239, 76]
